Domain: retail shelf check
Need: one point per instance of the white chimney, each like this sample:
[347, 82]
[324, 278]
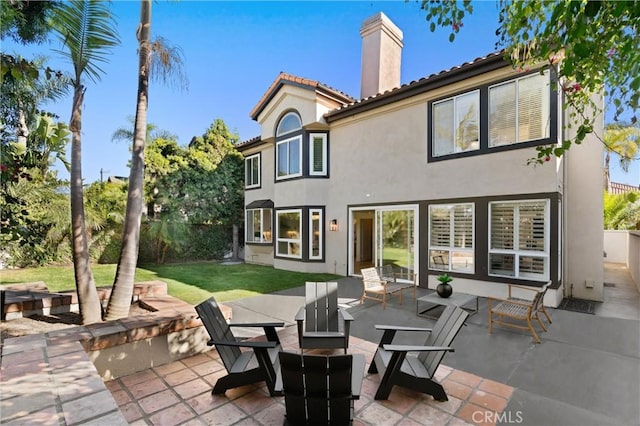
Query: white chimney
[381, 55]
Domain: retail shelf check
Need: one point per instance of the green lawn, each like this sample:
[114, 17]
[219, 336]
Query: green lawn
[191, 282]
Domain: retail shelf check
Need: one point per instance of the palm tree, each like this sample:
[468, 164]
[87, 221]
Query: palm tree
[87, 31]
[623, 140]
[160, 61]
[128, 133]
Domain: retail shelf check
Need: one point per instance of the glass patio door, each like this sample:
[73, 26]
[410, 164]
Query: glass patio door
[395, 239]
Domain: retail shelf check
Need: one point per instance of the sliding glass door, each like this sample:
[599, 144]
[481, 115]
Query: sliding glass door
[394, 231]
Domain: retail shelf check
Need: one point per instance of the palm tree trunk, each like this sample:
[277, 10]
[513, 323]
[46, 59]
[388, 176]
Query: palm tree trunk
[88, 301]
[120, 300]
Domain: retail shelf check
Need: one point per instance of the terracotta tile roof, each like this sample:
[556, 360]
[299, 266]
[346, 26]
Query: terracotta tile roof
[349, 104]
[408, 87]
[253, 141]
[622, 188]
[284, 78]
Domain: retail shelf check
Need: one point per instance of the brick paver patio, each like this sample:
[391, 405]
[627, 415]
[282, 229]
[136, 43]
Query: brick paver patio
[180, 393]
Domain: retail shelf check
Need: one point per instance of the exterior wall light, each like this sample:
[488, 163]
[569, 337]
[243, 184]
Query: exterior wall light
[334, 225]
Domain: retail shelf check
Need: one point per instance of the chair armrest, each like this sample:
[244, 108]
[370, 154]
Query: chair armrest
[258, 324]
[411, 348]
[357, 375]
[245, 344]
[345, 315]
[269, 329]
[400, 328]
[300, 315]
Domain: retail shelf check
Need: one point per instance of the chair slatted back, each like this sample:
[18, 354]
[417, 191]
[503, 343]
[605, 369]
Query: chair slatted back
[370, 277]
[321, 306]
[317, 388]
[219, 330]
[444, 331]
[538, 300]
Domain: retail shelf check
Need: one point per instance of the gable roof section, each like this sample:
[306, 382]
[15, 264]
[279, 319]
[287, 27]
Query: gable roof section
[351, 106]
[284, 79]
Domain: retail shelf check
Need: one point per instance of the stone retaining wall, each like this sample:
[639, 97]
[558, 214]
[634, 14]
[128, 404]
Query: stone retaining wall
[63, 372]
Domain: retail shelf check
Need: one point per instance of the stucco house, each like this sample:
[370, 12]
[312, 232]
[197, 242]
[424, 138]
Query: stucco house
[431, 176]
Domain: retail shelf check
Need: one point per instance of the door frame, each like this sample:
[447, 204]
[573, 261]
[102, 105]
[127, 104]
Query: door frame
[375, 208]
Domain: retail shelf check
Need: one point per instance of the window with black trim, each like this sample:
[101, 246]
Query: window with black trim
[258, 226]
[519, 239]
[289, 233]
[511, 114]
[456, 124]
[318, 154]
[252, 171]
[316, 233]
[519, 110]
[451, 237]
[289, 146]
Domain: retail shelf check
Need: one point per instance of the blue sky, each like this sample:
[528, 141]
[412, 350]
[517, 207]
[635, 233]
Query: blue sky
[234, 50]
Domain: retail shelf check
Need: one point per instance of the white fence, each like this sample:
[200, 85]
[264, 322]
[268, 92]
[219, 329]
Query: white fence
[624, 247]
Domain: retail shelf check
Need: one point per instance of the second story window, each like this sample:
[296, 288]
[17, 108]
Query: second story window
[318, 154]
[456, 124]
[252, 171]
[519, 110]
[289, 147]
[289, 158]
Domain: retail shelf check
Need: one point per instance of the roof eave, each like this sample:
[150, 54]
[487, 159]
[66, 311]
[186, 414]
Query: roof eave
[491, 63]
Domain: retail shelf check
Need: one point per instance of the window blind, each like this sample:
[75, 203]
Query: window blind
[318, 154]
[502, 226]
[502, 120]
[531, 227]
[463, 226]
[440, 227]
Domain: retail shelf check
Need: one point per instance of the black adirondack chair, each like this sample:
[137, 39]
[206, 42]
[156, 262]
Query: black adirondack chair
[243, 367]
[399, 365]
[320, 390]
[321, 323]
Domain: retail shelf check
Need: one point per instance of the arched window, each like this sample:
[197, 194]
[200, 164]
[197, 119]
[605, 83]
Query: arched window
[289, 146]
[289, 123]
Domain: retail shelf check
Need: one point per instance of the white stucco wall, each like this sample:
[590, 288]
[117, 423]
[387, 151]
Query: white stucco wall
[634, 257]
[584, 222]
[379, 157]
[616, 244]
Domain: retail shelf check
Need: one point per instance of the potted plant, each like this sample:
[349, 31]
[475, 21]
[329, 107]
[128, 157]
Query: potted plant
[444, 289]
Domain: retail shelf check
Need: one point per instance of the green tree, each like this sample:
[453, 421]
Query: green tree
[212, 184]
[622, 211]
[87, 31]
[26, 21]
[622, 140]
[590, 46]
[202, 184]
[162, 158]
